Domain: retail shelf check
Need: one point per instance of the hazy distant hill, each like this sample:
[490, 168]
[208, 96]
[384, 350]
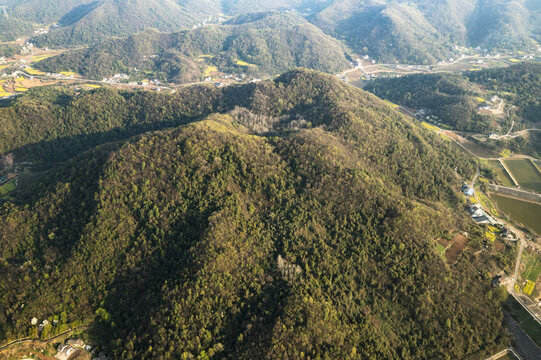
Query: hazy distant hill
[288, 219]
[422, 31]
[12, 28]
[268, 43]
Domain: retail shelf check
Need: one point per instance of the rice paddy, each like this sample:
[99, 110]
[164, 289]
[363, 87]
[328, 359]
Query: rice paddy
[526, 173]
[522, 212]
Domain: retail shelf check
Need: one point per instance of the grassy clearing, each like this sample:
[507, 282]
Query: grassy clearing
[6, 188]
[525, 320]
[526, 174]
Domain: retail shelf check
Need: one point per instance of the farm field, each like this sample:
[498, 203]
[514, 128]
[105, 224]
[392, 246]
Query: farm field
[526, 174]
[532, 267]
[501, 174]
[524, 319]
[523, 212]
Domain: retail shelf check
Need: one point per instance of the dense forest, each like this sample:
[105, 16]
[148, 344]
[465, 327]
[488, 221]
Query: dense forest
[258, 44]
[449, 97]
[286, 219]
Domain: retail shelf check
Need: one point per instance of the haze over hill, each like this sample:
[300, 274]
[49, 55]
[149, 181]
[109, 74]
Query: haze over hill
[261, 44]
[419, 31]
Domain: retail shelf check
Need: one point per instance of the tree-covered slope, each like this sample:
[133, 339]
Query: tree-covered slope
[452, 98]
[298, 223]
[267, 43]
[449, 97]
[12, 28]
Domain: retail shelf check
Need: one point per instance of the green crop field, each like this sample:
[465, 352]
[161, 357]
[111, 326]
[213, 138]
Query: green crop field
[524, 319]
[526, 174]
[522, 212]
[501, 175]
[532, 267]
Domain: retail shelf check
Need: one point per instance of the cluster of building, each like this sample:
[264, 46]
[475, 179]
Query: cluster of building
[73, 347]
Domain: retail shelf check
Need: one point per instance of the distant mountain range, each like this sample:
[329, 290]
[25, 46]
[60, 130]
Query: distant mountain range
[422, 31]
[415, 31]
[257, 44]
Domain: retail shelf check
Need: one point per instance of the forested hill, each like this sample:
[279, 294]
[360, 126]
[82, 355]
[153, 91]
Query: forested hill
[262, 44]
[455, 98]
[296, 220]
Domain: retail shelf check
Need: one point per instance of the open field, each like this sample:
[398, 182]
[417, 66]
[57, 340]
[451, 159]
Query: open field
[524, 319]
[522, 212]
[502, 175]
[526, 174]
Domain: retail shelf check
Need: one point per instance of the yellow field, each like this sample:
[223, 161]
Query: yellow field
[32, 71]
[209, 70]
[528, 288]
[20, 89]
[206, 56]
[505, 153]
[68, 73]
[391, 104]
[37, 58]
[429, 126]
[92, 86]
[2, 67]
[490, 236]
[483, 179]
[494, 229]
[474, 69]
[514, 60]
[4, 93]
[480, 99]
[243, 63]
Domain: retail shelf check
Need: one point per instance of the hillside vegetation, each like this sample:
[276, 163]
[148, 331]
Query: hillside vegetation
[286, 219]
[266, 43]
[452, 97]
[449, 97]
